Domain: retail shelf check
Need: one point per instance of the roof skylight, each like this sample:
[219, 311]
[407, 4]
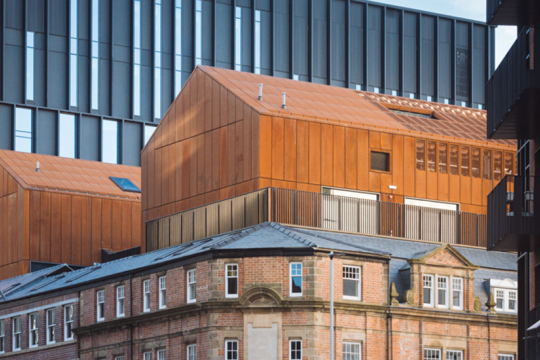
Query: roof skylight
[125, 184]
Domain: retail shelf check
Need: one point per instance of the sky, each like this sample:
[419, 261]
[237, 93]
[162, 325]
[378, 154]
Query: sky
[468, 9]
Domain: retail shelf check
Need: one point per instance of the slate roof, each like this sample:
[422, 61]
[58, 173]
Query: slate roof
[262, 236]
[317, 102]
[69, 175]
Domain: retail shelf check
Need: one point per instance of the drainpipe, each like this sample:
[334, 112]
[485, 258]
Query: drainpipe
[388, 317]
[331, 305]
[130, 315]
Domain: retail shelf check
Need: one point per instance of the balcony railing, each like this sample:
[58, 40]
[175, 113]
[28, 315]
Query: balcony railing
[513, 93]
[513, 215]
[513, 12]
[318, 211]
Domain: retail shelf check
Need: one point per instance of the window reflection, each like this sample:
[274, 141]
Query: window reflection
[95, 54]
[109, 147]
[30, 66]
[67, 135]
[23, 130]
[148, 132]
[137, 58]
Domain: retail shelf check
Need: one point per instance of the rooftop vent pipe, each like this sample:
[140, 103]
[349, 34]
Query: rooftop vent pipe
[284, 105]
[260, 92]
[37, 167]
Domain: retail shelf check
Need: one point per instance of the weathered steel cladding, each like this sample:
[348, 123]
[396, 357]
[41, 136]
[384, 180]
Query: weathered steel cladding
[338, 42]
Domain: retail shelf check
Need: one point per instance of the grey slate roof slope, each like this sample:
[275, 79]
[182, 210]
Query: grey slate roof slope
[262, 236]
[14, 284]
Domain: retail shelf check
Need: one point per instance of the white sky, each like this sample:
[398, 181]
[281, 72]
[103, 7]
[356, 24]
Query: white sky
[468, 9]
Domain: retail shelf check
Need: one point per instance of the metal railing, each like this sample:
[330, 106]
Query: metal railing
[505, 90]
[511, 212]
[317, 210]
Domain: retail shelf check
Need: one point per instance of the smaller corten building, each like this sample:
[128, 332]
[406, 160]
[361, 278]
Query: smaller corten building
[59, 210]
[263, 292]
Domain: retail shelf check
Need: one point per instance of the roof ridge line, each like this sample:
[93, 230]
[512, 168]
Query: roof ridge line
[343, 243]
[237, 236]
[291, 234]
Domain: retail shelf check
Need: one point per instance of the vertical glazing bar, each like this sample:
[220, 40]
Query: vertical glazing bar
[137, 58]
[198, 32]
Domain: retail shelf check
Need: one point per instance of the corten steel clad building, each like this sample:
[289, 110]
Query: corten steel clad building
[90, 79]
[415, 169]
[513, 93]
[57, 210]
[262, 293]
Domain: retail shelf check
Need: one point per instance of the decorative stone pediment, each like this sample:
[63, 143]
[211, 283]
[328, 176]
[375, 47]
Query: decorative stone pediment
[445, 255]
[261, 297]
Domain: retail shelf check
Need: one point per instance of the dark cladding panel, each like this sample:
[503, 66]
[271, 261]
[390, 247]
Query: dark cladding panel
[47, 130]
[58, 17]
[14, 14]
[224, 36]
[121, 101]
[83, 30]
[35, 15]
[446, 59]
[263, 5]
[266, 43]
[479, 64]
[122, 24]
[320, 41]
[281, 53]
[392, 58]
[463, 58]
[89, 138]
[147, 92]
[57, 92]
[6, 114]
[357, 43]
[167, 25]
[247, 33]
[410, 51]
[14, 74]
[375, 46]
[188, 52]
[131, 143]
[167, 85]
[244, 3]
[40, 75]
[339, 43]
[207, 33]
[83, 84]
[428, 57]
[104, 87]
[301, 39]
[105, 23]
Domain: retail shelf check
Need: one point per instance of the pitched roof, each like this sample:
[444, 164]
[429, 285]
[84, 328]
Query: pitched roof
[69, 175]
[263, 236]
[330, 103]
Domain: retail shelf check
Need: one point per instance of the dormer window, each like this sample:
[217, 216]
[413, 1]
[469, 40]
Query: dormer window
[443, 292]
[504, 294]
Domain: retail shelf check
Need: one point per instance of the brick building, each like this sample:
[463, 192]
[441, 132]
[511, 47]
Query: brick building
[265, 290]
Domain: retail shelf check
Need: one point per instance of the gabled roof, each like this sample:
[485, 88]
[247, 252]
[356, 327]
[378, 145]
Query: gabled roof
[318, 102]
[425, 256]
[266, 236]
[68, 175]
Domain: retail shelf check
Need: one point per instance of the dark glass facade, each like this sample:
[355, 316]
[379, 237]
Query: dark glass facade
[126, 60]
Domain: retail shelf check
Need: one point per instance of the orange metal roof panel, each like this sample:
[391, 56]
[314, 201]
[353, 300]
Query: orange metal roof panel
[329, 103]
[72, 175]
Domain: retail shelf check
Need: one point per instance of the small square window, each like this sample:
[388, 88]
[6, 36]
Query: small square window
[295, 350]
[231, 350]
[454, 355]
[192, 352]
[380, 161]
[351, 282]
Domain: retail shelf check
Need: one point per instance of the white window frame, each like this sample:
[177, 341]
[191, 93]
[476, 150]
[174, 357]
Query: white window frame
[50, 326]
[447, 291]
[454, 352]
[119, 357]
[146, 295]
[16, 334]
[431, 302]
[33, 333]
[191, 279]
[68, 322]
[100, 310]
[359, 280]
[235, 353]
[227, 277]
[439, 351]
[162, 281]
[2, 336]
[162, 354]
[147, 355]
[351, 344]
[291, 293]
[120, 301]
[461, 283]
[505, 357]
[193, 355]
[506, 299]
[290, 349]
